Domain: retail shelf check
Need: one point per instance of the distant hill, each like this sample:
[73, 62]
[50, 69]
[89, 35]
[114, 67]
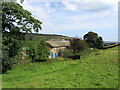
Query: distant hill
[34, 36]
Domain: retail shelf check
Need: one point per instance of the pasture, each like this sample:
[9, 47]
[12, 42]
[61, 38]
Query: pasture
[94, 71]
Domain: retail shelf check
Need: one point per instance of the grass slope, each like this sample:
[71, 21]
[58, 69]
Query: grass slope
[47, 37]
[95, 71]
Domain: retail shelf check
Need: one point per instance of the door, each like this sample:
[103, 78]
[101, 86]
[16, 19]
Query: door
[54, 55]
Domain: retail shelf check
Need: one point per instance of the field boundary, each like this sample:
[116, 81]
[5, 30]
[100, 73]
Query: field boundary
[111, 46]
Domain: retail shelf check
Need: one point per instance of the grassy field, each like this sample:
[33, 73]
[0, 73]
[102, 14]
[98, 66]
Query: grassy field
[95, 71]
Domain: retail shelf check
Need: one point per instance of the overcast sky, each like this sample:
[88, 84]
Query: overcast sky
[76, 17]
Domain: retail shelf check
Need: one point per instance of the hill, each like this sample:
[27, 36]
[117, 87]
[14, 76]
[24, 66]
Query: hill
[95, 71]
[33, 36]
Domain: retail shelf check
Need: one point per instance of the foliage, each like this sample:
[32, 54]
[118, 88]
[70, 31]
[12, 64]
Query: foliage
[15, 20]
[43, 50]
[95, 71]
[93, 40]
[66, 53]
[38, 51]
[11, 1]
[78, 45]
[6, 61]
[78, 48]
[12, 42]
[32, 46]
[75, 56]
[85, 53]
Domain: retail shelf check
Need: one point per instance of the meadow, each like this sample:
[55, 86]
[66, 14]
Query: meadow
[95, 71]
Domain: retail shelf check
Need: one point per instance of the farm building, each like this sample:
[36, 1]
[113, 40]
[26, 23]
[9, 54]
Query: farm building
[56, 46]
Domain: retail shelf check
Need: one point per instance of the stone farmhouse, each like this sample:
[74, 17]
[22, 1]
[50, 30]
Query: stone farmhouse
[56, 45]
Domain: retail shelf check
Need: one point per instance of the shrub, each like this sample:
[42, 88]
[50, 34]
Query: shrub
[66, 53]
[38, 51]
[85, 53]
[77, 50]
[75, 56]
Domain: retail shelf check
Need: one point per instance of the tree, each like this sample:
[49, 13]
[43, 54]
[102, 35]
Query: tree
[15, 21]
[11, 1]
[42, 50]
[93, 40]
[99, 43]
[38, 51]
[78, 45]
[78, 48]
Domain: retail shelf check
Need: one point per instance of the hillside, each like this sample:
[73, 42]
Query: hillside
[95, 71]
[33, 36]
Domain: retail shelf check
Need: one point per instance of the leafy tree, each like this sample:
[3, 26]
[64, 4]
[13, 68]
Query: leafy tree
[32, 49]
[15, 21]
[93, 40]
[77, 49]
[43, 50]
[38, 51]
[78, 45]
[11, 1]
[99, 43]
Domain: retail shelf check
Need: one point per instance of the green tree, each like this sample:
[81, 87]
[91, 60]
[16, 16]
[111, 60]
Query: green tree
[93, 40]
[15, 21]
[78, 45]
[38, 51]
[99, 43]
[43, 50]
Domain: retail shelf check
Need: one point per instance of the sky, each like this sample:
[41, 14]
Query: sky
[76, 17]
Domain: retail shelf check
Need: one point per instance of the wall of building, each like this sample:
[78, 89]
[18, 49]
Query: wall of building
[55, 51]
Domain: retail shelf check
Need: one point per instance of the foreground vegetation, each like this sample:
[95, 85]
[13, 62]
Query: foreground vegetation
[98, 70]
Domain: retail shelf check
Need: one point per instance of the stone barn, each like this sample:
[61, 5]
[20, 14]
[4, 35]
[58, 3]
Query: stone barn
[56, 46]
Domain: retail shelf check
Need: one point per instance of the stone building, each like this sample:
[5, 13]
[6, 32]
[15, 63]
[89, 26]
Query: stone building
[56, 46]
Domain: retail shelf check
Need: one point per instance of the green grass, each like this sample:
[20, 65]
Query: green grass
[95, 71]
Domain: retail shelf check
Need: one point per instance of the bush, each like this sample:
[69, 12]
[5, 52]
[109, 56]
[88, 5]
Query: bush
[77, 50]
[85, 53]
[66, 53]
[38, 51]
[75, 56]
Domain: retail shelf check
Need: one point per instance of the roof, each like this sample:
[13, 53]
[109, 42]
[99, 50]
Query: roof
[57, 39]
[58, 43]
